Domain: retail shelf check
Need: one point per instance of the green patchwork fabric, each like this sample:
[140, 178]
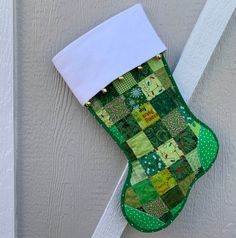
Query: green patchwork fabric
[138, 173]
[145, 191]
[156, 208]
[123, 85]
[140, 144]
[152, 163]
[157, 133]
[164, 103]
[186, 140]
[151, 86]
[167, 147]
[174, 122]
[173, 197]
[117, 109]
[181, 169]
[141, 74]
[134, 97]
[128, 127]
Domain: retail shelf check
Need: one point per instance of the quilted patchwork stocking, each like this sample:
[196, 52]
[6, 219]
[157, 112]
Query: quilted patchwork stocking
[166, 146]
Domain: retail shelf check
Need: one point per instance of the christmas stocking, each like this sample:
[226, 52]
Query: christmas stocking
[118, 71]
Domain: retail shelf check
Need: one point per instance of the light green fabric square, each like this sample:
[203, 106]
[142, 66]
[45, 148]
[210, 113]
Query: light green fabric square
[122, 86]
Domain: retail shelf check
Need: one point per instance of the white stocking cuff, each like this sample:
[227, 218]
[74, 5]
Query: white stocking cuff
[108, 51]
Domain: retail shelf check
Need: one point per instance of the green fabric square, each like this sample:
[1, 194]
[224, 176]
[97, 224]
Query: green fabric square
[141, 74]
[96, 104]
[116, 133]
[163, 77]
[174, 122]
[152, 163]
[140, 144]
[181, 169]
[111, 94]
[131, 198]
[186, 140]
[128, 127]
[156, 208]
[134, 97]
[117, 109]
[193, 160]
[138, 174]
[155, 64]
[128, 151]
[185, 184]
[188, 118]
[123, 85]
[166, 217]
[145, 191]
[173, 197]
[163, 103]
[157, 133]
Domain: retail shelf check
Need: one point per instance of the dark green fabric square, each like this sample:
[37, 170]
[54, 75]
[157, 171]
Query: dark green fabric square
[186, 140]
[128, 151]
[157, 133]
[128, 127]
[163, 103]
[145, 191]
[152, 163]
[134, 97]
[117, 134]
[141, 74]
[173, 197]
[166, 217]
[181, 169]
[105, 98]
[175, 97]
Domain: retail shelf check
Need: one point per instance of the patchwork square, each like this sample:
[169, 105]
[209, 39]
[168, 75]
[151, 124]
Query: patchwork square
[174, 122]
[145, 191]
[116, 133]
[134, 97]
[186, 183]
[111, 94]
[138, 173]
[186, 140]
[193, 160]
[128, 127]
[117, 109]
[128, 152]
[131, 198]
[173, 197]
[185, 114]
[145, 115]
[122, 86]
[155, 208]
[195, 127]
[163, 103]
[105, 117]
[141, 74]
[140, 144]
[157, 133]
[181, 169]
[96, 104]
[163, 77]
[163, 181]
[151, 86]
[152, 164]
[169, 152]
[166, 217]
[174, 211]
[155, 64]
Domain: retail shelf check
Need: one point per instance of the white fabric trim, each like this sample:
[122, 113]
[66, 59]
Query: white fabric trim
[108, 51]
